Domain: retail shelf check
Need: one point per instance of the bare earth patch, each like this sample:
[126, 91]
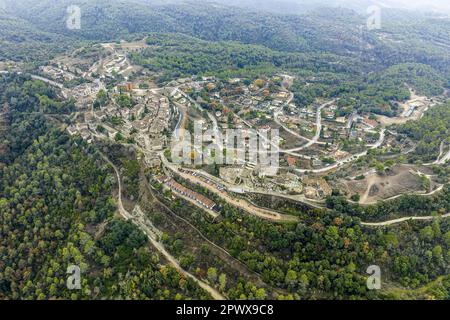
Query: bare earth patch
[377, 187]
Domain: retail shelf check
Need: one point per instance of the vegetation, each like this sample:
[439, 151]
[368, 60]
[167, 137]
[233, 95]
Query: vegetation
[57, 210]
[56, 203]
[429, 132]
[326, 254]
[318, 75]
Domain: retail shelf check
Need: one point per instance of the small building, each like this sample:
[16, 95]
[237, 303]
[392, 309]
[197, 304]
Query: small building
[199, 198]
[292, 161]
[341, 120]
[317, 163]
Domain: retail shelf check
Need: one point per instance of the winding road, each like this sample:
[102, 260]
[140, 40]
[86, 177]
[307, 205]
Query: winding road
[352, 158]
[442, 158]
[239, 203]
[315, 139]
[48, 81]
[152, 233]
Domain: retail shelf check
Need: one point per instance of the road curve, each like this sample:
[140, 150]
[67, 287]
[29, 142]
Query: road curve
[315, 139]
[48, 81]
[239, 203]
[349, 159]
[124, 213]
[216, 295]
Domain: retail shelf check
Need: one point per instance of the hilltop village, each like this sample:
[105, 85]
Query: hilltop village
[318, 144]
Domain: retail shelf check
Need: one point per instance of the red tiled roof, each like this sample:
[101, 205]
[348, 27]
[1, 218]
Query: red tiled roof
[371, 122]
[191, 194]
[291, 161]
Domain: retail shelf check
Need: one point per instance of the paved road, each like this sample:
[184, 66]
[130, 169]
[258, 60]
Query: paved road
[217, 133]
[315, 139]
[352, 158]
[238, 189]
[240, 203]
[181, 121]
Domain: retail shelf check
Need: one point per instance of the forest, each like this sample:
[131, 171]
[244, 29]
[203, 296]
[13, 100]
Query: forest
[57, 193]
[359, 86]
[429, 132]
[57, 210]
[31, 25]
[326, 254]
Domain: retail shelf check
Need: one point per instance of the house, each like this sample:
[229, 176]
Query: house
[341, 120]
[72, 130]
[200, 199]
[370, 122]
[329, 115]
[317, 163]
[291, 161]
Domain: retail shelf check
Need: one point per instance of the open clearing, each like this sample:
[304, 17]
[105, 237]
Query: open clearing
[420, 103]
[377, 187]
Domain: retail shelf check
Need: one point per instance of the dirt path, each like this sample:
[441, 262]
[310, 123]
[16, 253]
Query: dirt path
[417, 114]
[124, 213]
[370, 182]
[225, 254]
[48, 81]
[395, 221]
[439, 189]
[152, 234]
[442, 158]
[445, 158]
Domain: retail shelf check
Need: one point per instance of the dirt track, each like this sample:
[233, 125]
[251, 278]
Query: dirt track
[395, 221]
[152, 232]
